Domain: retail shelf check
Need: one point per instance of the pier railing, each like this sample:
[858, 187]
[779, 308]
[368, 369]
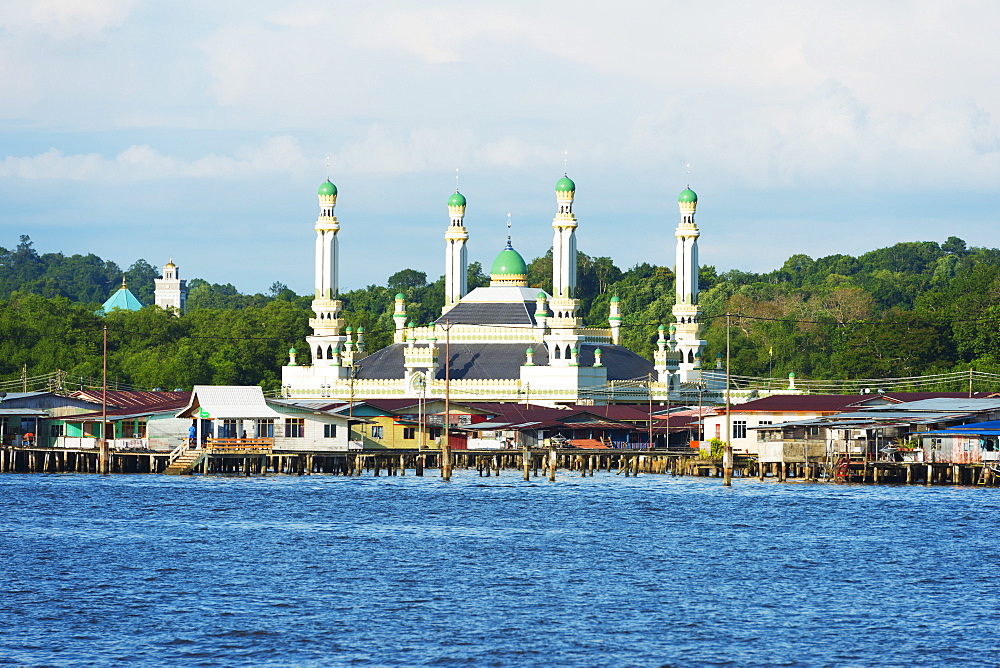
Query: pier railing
[248, 446]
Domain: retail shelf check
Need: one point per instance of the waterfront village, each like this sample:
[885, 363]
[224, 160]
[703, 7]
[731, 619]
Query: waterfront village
[507, 376]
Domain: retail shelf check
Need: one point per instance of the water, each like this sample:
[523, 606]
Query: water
[406, 571]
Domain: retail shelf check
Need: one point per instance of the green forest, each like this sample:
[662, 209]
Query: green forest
[911, 309]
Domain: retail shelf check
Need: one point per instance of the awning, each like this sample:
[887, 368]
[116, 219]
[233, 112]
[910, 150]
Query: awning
[219, 402]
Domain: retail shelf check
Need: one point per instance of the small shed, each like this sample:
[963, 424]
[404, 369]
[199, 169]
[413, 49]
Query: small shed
[242, 411]
[963, 444]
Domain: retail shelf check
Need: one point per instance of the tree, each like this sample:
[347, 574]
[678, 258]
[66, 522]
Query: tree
[403, 280]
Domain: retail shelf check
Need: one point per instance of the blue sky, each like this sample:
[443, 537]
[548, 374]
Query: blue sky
[200, 131]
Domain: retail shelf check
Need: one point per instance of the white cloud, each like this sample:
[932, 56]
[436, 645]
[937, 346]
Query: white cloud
[65, 18]
[141, 162]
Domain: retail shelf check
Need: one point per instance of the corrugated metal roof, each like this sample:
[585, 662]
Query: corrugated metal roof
[22, 395]
[950, 404]
[229, 401]
[137, 399]
[33, 412]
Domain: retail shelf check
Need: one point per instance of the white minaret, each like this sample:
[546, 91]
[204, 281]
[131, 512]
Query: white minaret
[171, 291]
[326, 343]
[563, 339]
[687, 312]
[564, 242]
[456, 263]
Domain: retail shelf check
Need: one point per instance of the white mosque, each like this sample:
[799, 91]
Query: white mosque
[503, 342]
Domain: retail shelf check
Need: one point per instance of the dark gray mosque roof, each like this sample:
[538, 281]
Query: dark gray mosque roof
[481, 361]
[496, 313]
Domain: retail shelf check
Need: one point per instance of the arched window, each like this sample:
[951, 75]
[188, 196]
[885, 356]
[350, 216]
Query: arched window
[691, 357]
[558, 352]
[329, 352]
[319, 352]
[568, 352]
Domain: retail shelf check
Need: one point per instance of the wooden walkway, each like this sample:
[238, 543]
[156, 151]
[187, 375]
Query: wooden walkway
[259, 458]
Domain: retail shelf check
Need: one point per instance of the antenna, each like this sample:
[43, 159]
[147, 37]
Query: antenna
[508, 229]
[688, 166]
[565, 163]
[327, 166]
[456, 179]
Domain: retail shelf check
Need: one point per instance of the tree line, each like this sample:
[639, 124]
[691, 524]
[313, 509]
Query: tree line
[910, 309]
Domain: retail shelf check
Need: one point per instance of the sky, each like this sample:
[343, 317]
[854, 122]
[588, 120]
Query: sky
[199, 131]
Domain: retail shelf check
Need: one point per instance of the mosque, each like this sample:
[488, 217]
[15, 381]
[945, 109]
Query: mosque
[502, 342]
[170, 293]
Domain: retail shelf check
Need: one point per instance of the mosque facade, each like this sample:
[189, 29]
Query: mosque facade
[501, 342]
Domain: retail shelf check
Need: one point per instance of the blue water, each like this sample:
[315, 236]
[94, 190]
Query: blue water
[406, 571]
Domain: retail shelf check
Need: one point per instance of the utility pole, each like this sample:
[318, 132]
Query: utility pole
[727, 452]
[104, 454]
[446, 443]
[649, 391]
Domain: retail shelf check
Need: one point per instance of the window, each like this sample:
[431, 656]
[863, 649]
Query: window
[739, 428]
[435, 433]
[376, 431]
[265, 428]
[409, 433]
[55, 430]
[329, 431]
[295, 427]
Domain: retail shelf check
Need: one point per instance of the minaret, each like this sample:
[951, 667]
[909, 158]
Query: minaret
[563, 320]
[615, 319]
[686, 310]
[326, 326]
[564, 242]
[171, 291]
[456, 282]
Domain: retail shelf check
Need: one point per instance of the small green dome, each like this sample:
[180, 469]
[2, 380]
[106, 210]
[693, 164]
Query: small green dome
[361, 330]
[411, 325]
[661, 327]
[615, 299]
[458, 199]
[327, 188]
[597, 351]
[400, 295]
[292, 351]
[542, 295]
[530, 351]
[688, 195]
[509, 263]
[565, 185]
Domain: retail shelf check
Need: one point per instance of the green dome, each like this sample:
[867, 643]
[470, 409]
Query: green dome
[292, 351]
[565, 185]
[400, 295]
[509, 263]
[327, 188]
[615, 299]
[458, 199]
[687, 195]
[542, 295]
